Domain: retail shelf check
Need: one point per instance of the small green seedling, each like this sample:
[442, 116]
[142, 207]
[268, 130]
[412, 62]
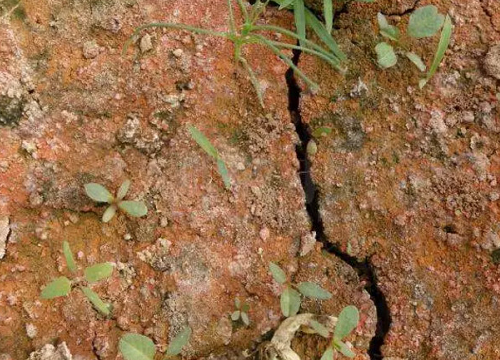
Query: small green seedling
[347, 321]
[250, 32]
[291, 297]
[424, 22]
[140, 347]
[99, 193]
[207, 146]
[92, 274]
[241, 312]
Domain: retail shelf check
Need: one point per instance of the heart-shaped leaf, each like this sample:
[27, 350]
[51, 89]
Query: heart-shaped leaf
[425, 22]
[136, 347]
[100, 305]
[290, 302]
[277, 273]
[58, 287]
[70, 261]
[312, 290]
[123, 190]
[98, 193]
[347, 321]
[387, 30]
[179, 341]
[386, 57]
[133, 208]
[98, 272]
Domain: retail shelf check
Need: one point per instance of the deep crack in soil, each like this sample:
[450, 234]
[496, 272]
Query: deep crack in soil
[363, 267]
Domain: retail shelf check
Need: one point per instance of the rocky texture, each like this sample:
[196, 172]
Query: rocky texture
[50, 352]
[492, 62]
[4, 234]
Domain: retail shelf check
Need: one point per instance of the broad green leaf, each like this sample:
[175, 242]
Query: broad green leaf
[224, 174]
[328, 354]
[70, 260]
[245, 319]
[415, 59]
[108, 213]
[386, 29]
[179, 342]
[347, 321]
[203, 142]
[123, 190]
[312, 290]
[100, 305]
[320, 328]
[328, 14]
[285, 3]
[58, 287]
[277, 273]
[425, 22]
[300, 18]
[98, 193]
[322, 130]
[136, 347]
[386, 57]
[133, 208]
[290, 302]
[444, 41]
[343, 348]
[316, 25]
[235, 315]
[98, 272]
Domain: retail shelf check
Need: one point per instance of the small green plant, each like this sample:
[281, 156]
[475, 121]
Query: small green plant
[62, 285]
[207, 146]
[347, 321]
[140, 347]
[290, 298]
[99, 193]
[424, 22]
[249, 32]
[241, 312]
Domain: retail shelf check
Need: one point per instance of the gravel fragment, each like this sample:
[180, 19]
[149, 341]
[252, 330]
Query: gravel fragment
[492, 62]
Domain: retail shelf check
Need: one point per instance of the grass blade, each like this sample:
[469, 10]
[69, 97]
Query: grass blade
[232, 26]
[96, 301]
[243, 10]
[253, 80]
[324, 35]
[204, 143]
[444, 41]
[299, 13]
[68, 255]
[328, 14]
[224, 173]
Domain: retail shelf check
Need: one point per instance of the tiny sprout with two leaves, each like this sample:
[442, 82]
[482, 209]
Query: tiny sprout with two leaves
[207, 146]
[290, 298]
[99, 193]
[241, 312]
[347, 321]
[139, 347]
[62, 285]
[424, 22]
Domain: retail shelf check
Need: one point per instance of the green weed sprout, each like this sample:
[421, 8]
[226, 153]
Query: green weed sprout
[207, 146]
[92, 274]
[99, 193]
[249, 32]
[347, 321]
[290, 298]
[241, 312]
[140, 347]
[424, 22]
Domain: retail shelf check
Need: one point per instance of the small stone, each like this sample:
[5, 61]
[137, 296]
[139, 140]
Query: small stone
[178, 53]
[146, 44]
[225, 330]
[31, 331]
[312, 148]
[127, 237]
[494, 196]
[264, 233]
[90, 49]
[492, 62]
[164, 222]
[4, 234]
[240, 166]
[50, 352]
[307, 243]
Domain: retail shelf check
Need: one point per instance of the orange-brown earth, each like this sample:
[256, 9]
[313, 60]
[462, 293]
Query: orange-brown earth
[408, 179]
